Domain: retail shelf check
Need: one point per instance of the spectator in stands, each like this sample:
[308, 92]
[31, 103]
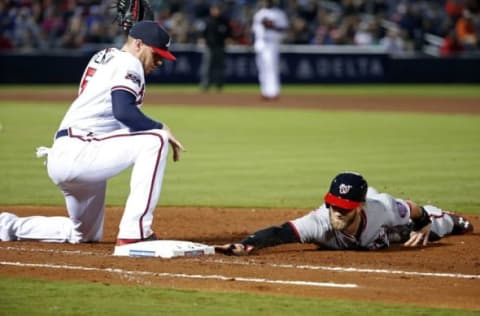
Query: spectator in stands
[74, 36]
[26, 35]
[70, 8]
[307, 10]
[466, 31]
[6, 26]
[451, 46]
[324, 22]
[366, 33]
[52, 26]
[323, 32]
[344, 33]
[178, 27]
[5, 43]
[351, 7]
[95, 22]
[393, 42]
[37, 12]
[201, 9]
[96, 33]
[299, 32]
[454, 9]
[240, 19]
[434, 19]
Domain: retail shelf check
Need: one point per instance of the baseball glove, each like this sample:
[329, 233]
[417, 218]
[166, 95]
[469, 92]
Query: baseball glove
[267, 23]
[130, 12]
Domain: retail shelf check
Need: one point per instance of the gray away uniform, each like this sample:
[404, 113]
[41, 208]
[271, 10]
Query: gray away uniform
[381, 213]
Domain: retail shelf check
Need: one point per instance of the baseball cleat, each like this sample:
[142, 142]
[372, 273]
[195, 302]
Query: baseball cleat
[6, 224]
[461, 225]
[121, 242]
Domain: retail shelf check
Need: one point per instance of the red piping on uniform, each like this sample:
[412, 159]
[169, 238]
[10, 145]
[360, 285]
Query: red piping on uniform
[124, 88]
[89, 139]
[438, 216]
[295, 230]
[152, 183]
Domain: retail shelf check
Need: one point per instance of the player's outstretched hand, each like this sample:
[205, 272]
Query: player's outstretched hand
[419, 236]
[233, 249]
[177, 146]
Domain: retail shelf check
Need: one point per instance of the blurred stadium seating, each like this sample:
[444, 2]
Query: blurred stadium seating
[343, 41]
[401, 27]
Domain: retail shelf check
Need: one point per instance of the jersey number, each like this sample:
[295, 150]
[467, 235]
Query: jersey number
[101, 58]
[86, 77]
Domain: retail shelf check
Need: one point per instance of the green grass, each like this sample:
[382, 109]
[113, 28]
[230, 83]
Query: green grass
[32, 297]
[270, 157]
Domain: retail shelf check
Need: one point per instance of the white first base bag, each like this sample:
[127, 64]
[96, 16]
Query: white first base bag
[164, 249]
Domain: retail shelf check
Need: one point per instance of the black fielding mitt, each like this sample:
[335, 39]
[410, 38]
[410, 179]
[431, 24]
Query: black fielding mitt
[130, 12]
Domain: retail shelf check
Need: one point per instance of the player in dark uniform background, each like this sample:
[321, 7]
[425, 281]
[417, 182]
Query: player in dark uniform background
[216, 33]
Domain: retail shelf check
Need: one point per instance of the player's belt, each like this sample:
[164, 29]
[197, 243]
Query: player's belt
[61, 133]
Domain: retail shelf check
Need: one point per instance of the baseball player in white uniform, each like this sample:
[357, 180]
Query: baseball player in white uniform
[102, 134]
[269, 25]
[357, 217]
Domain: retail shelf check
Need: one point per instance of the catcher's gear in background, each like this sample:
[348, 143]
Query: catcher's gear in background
[130, 12]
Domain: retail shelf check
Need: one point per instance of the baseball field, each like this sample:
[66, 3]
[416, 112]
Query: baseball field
[251, 164]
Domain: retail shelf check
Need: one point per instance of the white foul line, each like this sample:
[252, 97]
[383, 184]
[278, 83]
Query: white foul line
[287, 266]
[179, 275]
[356, 270]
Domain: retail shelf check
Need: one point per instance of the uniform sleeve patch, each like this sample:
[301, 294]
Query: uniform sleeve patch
[402, 209]
[134, 77]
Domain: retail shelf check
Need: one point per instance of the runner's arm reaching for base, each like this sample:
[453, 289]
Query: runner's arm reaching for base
[268, 237]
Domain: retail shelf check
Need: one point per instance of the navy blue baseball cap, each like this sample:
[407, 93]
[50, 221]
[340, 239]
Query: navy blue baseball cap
[347, 191]
[153, 35]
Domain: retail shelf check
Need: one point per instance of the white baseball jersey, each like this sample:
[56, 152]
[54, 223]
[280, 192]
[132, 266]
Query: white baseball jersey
[268, 37]
[108, 70]
[267, 45]
[380, 212]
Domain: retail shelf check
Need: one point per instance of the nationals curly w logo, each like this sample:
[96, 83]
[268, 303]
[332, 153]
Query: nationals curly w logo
[344, 188]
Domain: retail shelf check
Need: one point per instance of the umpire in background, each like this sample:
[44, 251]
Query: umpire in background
[217, 31]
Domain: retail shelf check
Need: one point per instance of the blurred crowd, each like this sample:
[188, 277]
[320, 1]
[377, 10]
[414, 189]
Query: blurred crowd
[400, 26]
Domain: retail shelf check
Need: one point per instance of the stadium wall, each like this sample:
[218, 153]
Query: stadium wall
[299, 64]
